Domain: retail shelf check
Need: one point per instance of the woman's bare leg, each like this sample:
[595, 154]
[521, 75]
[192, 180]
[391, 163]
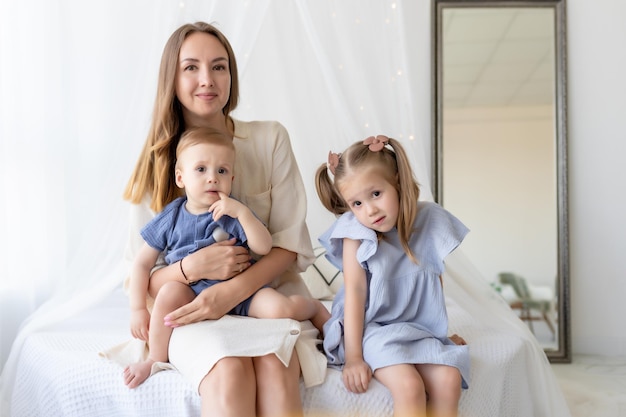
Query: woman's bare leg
[443, 385]
[229, 390]
[406, 387]
[278, 388]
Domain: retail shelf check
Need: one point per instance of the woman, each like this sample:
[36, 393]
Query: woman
[198, 87]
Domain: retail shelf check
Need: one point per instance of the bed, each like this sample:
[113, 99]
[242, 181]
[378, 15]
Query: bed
[59, 371]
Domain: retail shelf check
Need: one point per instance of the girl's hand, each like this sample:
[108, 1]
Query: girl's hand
[356, 376]
[458, 340]
[139, 323]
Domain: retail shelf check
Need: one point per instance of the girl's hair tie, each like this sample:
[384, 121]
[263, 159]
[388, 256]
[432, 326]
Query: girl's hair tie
[333, 161]
[377, 143]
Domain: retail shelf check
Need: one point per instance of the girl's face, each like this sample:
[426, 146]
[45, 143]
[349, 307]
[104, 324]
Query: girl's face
[373, 200]
[203, 170]
[203, 79]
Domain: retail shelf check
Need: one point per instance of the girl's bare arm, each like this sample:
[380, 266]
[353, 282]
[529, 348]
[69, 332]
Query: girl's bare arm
[356, 373]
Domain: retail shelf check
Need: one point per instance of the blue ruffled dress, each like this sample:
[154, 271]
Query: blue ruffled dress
[405, 313]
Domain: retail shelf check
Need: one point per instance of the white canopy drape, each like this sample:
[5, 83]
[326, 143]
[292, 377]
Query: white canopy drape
[77, 84]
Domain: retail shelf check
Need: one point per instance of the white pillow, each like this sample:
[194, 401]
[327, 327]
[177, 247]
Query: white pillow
[322, 278]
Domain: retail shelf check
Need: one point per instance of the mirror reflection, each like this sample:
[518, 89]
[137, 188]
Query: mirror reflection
[498, 153]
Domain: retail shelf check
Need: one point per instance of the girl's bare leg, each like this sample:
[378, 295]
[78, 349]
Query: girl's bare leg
[172, 296]
[229, 390]
[278, 388]
[406, 387]
[443, 385]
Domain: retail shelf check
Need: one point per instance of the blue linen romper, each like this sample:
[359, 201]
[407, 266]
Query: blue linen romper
[178, 233]
[405, 314]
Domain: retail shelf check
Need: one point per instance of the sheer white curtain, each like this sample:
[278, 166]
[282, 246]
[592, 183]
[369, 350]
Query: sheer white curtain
[77, 83]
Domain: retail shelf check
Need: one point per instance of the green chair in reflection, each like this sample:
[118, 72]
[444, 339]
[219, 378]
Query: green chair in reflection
[528, 301]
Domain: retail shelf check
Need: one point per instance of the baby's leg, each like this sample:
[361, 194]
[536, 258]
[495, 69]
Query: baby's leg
[270, 304]
[171, 296]
[406, 387]
[443, 385]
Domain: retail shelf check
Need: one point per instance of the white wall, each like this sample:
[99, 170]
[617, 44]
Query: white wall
[597, 140]
[499, 176]
[596, 36]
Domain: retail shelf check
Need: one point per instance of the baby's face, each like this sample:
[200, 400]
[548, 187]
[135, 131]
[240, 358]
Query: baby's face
[205, 169]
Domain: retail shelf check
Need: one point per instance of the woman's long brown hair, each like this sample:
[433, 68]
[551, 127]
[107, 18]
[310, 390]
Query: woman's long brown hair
[154, 172]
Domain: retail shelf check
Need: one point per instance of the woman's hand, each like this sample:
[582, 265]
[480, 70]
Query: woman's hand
[211, 304]
[219, 261]
[217, 300]
[356, 376]
[222, 260]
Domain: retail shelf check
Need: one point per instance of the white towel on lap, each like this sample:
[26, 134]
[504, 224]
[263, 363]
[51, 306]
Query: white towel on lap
[195, 348]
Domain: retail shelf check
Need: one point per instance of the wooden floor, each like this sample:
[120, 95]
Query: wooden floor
[594, 386]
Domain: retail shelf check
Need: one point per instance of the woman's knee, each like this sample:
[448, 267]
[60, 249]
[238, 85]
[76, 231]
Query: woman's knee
[272, 371]
[229, 377]
[229, 389]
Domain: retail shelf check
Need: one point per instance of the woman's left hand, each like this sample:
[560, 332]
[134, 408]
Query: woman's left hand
[211, 304]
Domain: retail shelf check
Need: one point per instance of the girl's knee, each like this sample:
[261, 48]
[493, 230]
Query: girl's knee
[413, 387]
[444, 383]
[449, 377]
[408, 387]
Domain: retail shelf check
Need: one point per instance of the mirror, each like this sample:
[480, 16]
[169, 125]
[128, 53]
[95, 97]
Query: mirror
[500, 150]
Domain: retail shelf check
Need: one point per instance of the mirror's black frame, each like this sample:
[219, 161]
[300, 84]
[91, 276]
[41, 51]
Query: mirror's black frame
[563, 353]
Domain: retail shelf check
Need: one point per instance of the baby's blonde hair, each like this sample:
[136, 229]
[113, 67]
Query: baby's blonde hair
[396, 169]
[208, 135]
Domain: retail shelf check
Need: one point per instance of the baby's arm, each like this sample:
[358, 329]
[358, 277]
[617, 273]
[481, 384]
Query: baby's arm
[138, 289]
[259, 238]
[356, 372]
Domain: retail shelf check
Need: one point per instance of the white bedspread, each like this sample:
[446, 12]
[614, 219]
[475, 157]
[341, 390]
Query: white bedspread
[61, 374]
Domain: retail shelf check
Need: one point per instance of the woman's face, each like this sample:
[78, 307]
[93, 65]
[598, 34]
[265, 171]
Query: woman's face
[203, 80]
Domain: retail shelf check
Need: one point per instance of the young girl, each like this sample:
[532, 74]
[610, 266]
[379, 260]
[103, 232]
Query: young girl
[205, 162]
[389, 319]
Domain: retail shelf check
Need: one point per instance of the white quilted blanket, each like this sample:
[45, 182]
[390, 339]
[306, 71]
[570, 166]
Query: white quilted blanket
[61, 374]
